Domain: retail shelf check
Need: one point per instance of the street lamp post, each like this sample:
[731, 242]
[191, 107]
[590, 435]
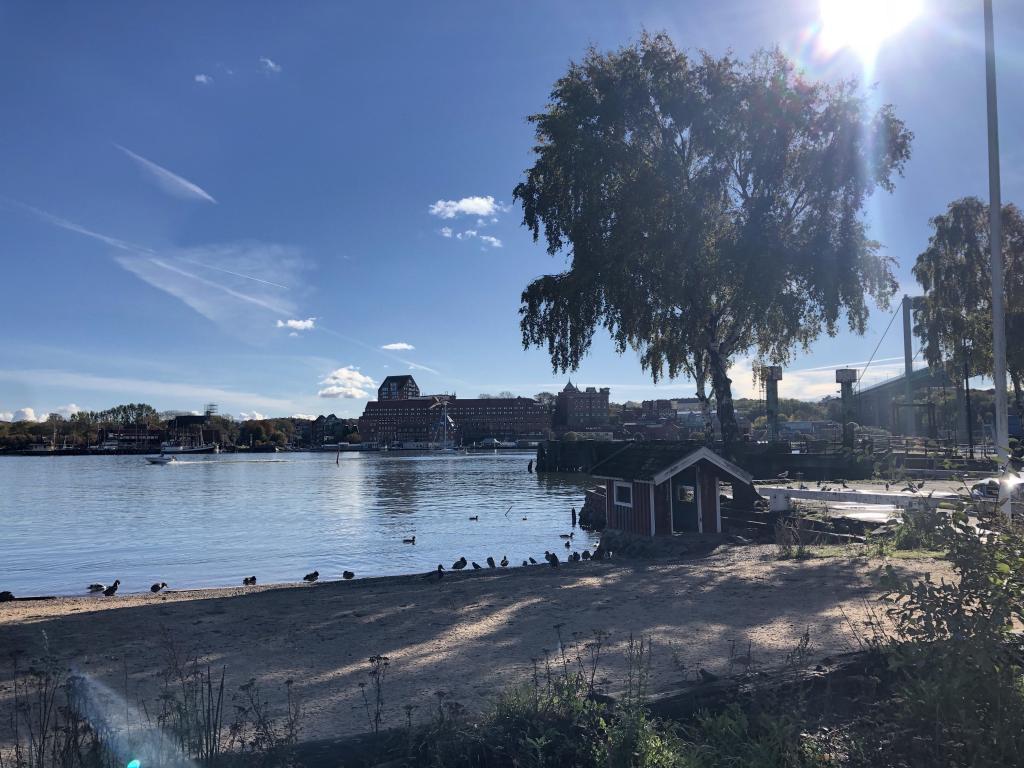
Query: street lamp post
[996, 243]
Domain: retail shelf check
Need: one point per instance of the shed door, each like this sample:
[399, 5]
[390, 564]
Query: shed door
[708, 483]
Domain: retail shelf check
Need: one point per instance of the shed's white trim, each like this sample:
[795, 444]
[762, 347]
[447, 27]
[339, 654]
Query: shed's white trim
[708, 455]
[615, 496]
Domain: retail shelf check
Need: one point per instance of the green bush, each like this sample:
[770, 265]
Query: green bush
[960, 696]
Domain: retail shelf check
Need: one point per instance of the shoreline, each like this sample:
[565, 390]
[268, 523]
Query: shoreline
[469, 635]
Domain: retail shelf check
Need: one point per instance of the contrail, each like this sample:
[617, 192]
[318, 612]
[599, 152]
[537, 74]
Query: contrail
[170, 181]
[236, 274]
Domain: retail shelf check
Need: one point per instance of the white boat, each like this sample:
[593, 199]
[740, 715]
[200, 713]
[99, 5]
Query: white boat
[160, 459]
[178, 447]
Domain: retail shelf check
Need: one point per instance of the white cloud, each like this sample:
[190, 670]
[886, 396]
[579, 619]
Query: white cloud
[418, 367]
[471, 234]
[346, 382]
[169, 181]
[6, 415]
[252, 416]
[25, 414]
[67, 411]
[269, 65]
[399, 346]
[306, 416]
[203, 79]
[470, 206]
[446, 231]
[294, 334]
[298, 325]
[71, 226]
[255, 275]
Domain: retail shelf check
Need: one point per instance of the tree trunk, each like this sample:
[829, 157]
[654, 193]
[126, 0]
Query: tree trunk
[722, 386]
[700, 377]
[1016, 394]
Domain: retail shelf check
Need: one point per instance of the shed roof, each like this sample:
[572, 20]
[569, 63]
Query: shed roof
[657, 463]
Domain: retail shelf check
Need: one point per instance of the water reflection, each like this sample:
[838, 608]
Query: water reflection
[207, 521]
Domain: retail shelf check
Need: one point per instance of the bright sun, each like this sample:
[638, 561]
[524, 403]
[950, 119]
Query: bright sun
[863, 25]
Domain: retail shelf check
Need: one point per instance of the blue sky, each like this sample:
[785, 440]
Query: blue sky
[181, 180]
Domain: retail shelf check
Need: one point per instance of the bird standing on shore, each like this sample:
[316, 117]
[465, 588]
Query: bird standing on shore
[504, 561]
[347, 575]
[439, 573]
[586, 554]
[112, 589]
[490, 562]
[459, 564]
[158, 586]
[552, 559]
[311, 577]
[249, 581]
[476, 566]
[97, 587]
[532, 561]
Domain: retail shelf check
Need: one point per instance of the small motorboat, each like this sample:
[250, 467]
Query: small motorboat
[160, 459]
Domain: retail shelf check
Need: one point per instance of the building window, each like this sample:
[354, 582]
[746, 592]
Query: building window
[623, 494]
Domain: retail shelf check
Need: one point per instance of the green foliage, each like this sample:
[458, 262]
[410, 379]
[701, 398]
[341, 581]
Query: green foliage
[957, 657]
[954, 318]
[921, 528]
[708, 206]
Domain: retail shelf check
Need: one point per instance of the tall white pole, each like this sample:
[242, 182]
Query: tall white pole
[996, 242]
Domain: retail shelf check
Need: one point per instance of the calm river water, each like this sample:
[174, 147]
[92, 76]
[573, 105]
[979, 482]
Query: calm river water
[207, 521]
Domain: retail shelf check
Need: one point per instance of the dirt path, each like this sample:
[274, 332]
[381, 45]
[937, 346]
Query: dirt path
[468, 635]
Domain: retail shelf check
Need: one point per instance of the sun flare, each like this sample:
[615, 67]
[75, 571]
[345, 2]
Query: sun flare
[862, 26]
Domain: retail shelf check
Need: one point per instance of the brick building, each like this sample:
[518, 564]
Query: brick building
[398, 388]
[577, 409]
[398, 417]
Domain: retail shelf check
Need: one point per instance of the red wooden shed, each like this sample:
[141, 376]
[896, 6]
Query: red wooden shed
[659, 490]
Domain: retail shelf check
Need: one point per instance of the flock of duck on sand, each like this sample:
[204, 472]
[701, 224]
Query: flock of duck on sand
[458, 565]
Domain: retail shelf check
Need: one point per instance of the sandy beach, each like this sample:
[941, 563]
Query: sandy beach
[468, 635]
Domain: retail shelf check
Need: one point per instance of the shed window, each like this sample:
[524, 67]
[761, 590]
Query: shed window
[624, 494]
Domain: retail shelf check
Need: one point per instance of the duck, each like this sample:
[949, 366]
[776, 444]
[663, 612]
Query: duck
[476, 566]
[459, 564]
[474, 517]
[504, 561]
[97, 587]
[347, 575]
[553, 559]
[410, 540]
[249, 581]
[158, 586]
[6, 596]
[524, 518]
[568, 545]
[311, 577]
[490, 562]
[585, 555]
[565, 535]
[576, 557]
[532, 561]
[439, 573]
[525, 563]
[112, 589]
